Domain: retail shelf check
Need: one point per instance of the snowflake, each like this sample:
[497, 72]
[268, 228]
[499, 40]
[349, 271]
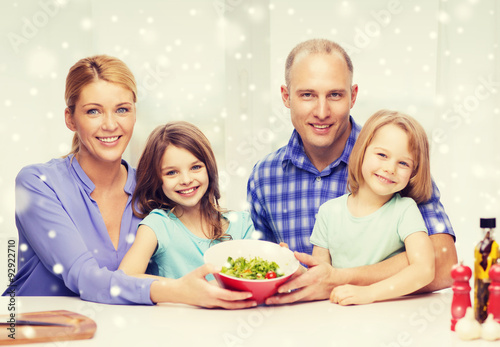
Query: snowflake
[29, 332]
[23, 199]
[120, 321]
[86, 24]
[479, 171]
[244, 205]
[232, 217]
[130, 238]
[58, 269]
[444, 149]
[115, 291]
[444, 17]
[440, 227]
[257, 235]
[64, 148]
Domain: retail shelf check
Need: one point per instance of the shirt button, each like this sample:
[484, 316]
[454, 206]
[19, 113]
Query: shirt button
[318, 179]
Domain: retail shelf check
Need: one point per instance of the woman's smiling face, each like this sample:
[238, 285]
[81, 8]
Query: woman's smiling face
[104, 119]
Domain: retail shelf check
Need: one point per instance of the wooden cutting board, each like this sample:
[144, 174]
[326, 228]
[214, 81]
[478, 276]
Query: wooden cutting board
[81, 327]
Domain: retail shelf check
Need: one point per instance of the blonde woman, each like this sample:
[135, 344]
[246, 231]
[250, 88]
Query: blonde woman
[74, 214]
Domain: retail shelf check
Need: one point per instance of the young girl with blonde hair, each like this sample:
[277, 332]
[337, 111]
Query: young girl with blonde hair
[389, 174]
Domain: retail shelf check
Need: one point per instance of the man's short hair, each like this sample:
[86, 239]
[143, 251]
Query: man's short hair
[315, 46]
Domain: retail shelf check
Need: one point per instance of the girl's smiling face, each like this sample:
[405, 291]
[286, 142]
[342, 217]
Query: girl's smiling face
[104, 119]
[185, 178]
[388, 164]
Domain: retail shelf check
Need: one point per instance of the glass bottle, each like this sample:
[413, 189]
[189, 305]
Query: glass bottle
[485, 255]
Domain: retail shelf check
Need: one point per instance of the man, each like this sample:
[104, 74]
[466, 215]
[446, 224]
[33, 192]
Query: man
[287, 187]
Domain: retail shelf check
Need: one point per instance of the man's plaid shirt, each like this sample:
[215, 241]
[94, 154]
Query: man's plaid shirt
[285, 191]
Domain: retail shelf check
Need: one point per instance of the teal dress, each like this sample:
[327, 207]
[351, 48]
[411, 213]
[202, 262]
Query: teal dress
[179, 251]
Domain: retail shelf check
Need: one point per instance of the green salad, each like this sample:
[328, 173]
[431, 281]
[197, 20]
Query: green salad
[252, 269]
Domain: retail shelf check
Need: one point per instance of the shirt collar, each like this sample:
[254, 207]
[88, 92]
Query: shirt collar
[296, 155]
[90, 186]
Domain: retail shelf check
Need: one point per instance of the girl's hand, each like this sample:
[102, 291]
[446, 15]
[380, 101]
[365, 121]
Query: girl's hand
[194, 289]
[352, 295]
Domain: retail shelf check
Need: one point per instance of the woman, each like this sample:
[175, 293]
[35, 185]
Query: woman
[74, 214]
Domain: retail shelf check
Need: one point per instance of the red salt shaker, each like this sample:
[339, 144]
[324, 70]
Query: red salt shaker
[461, 275]
[494, 288]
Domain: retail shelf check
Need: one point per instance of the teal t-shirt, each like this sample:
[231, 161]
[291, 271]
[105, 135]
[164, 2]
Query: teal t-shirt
[179, 251]
[357, 241]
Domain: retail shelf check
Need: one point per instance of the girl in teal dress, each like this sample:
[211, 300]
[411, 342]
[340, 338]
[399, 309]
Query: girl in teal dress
[177, 194]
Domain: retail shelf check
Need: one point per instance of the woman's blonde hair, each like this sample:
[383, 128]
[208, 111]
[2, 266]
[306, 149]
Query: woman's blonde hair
[419, 187]
[92, 69]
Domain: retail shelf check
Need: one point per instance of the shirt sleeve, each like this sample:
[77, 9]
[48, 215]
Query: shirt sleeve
[159, 224]
[38, 211]
[411, 220]
[435, 217]
[258, 211]
[319, 235]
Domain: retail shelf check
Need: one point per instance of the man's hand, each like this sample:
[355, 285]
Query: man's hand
[314, 284]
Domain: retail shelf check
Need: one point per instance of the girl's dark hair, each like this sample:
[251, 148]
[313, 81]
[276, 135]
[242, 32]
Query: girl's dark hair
[149, 194]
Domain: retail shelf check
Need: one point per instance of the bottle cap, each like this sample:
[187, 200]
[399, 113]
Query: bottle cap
[489, 223]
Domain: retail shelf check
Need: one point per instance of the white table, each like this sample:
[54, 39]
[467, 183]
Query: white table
[422, 320]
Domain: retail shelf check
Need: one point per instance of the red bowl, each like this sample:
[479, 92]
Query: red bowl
[261, 289]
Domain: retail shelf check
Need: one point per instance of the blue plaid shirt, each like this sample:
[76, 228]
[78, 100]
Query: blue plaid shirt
[285, 191]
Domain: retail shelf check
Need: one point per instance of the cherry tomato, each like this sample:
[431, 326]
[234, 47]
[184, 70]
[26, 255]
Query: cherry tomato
[270, 274]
